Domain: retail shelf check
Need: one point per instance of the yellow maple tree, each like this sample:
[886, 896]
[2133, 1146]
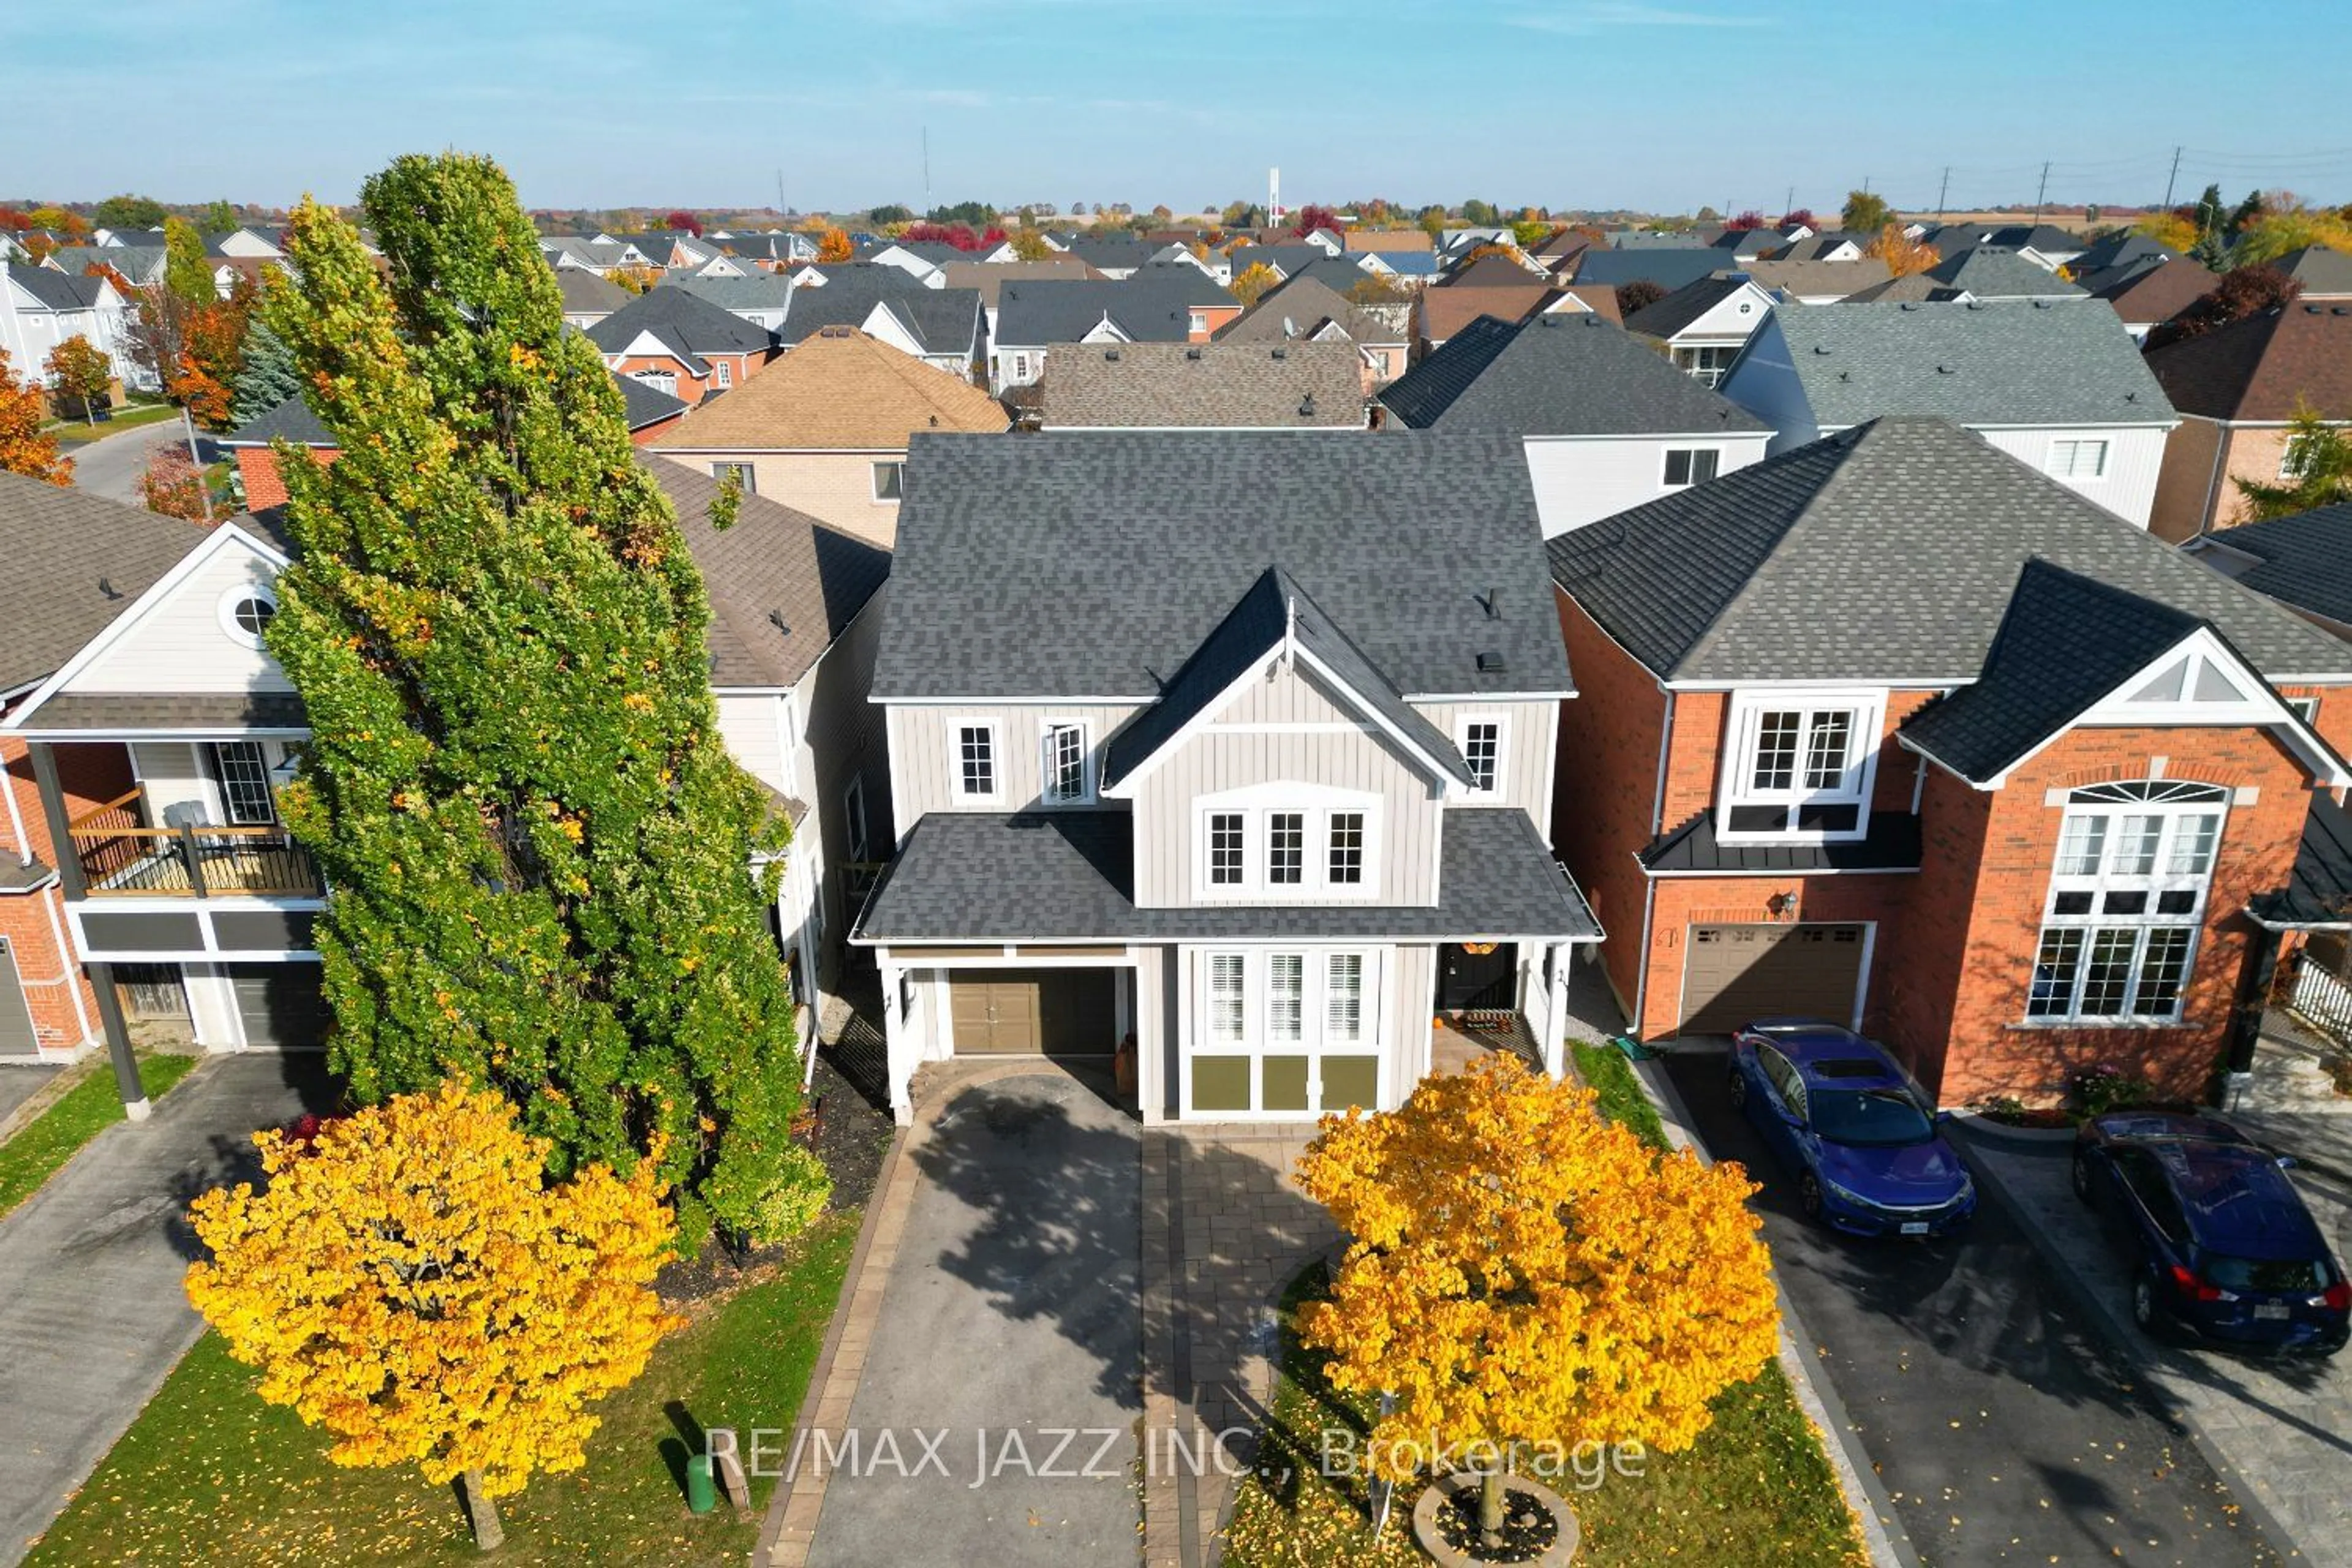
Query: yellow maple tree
[833, 246]
[1903, 255]
[1252, 282]
[409, 1281]
[1525, 1275]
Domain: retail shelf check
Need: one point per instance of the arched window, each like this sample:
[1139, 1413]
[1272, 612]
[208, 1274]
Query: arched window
[2126, 901]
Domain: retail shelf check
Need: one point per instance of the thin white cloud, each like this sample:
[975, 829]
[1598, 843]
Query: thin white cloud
[1602, 16]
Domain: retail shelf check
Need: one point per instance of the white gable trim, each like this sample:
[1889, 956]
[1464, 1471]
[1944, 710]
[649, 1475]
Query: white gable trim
[228, 537]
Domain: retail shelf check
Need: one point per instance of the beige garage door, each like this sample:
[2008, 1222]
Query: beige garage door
[1733, 974]
[1053, 1012]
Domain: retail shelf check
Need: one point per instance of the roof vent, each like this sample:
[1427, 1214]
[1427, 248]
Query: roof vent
[1491, 662]
[1494, 603]
[1946, 370]
[1111, 354]
[776, 619]
[935, 421]
[1282, 353]
[1192, 353]
[1824, 348]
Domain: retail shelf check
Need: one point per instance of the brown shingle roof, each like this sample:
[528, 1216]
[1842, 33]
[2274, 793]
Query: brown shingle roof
[1389, 240]
[1297, 307]
[839, 389]
[2261, 367]
[1209, 386]
[988, 277]
[74, 562]
[2160, 292]
[1816, 277]
[1445, 312]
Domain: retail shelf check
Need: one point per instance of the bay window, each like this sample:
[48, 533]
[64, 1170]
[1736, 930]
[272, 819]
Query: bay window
[2126, 901]
[1284, 1032]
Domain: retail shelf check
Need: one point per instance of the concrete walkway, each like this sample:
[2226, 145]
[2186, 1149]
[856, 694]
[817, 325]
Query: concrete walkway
[91, 1313]
[2279, 1432]
[994, 1326]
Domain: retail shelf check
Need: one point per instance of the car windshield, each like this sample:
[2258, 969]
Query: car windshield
[2307, 1275]
[1869, 1116]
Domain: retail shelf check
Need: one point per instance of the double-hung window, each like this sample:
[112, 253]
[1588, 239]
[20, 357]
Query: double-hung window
[1480, 740]
[744, 475]
[1065, 771]
[1228, 852]
[1278, 844]
[2126, 901]
[1800, 765]
[1286, 848]
[244, 775]
[889, 480]
[973, 761]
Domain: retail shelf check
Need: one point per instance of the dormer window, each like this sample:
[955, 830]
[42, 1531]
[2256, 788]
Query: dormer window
[1800, 766]
[974, 763]
[1480, 740]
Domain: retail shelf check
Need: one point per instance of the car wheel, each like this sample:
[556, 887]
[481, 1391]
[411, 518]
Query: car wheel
[2144, 1305]
[1809, 1193]
[2082, 1173]
[1738, 1089]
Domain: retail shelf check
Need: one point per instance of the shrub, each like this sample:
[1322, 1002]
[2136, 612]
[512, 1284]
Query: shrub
[2105, 1087]
[802, 1188]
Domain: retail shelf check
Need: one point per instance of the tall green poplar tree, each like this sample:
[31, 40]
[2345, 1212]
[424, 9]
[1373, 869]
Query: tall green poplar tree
[537, 848]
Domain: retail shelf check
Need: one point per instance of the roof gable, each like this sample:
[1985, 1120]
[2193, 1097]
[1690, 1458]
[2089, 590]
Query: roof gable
[2258, 369]
[838, 390]
[1558, 375]
[76, 562]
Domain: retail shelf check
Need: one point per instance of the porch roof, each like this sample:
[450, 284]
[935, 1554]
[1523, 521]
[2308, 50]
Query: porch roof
[1891, 843]
[2319, 891]
[70, 713]
[1068, 876]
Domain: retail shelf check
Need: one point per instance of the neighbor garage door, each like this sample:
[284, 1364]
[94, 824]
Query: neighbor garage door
[280, 1005]
[1015, 1012]
[1736, 973]
[17, 1038]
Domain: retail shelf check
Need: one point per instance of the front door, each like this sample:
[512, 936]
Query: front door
[1469, 980]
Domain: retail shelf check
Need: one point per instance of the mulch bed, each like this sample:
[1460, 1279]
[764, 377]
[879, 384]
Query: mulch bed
[1528, 1528]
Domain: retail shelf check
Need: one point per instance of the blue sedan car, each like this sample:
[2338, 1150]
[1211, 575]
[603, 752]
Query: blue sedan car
[1844, 1115]
[2221, 1244]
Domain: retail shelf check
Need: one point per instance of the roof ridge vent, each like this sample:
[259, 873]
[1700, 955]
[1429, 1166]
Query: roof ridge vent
[1192, 352]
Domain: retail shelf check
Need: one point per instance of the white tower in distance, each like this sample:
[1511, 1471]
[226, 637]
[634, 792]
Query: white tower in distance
[1274, 213]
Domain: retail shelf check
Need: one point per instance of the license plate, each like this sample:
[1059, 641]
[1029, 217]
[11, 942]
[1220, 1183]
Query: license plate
[1915, 1228]
[2270, 1311]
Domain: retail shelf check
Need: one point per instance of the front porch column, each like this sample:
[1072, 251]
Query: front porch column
[1557, 959]
[53, 809]
[905, 1048]
[118, 1043]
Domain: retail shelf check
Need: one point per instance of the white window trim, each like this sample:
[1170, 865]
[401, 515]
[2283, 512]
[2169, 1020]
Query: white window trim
[1741, 731]
[1502, 723]
[873, 477]
[749, 473]
[1665, 457]
[2098, 884]
[2107, 455]
[1253, 806]
[227, 611]
[854, 833]
[956, 791]
[1257, 1014]
[1045, 732]
[725, 372]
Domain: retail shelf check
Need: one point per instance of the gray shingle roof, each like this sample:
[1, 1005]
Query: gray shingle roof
[1888, 552]
[74, 562]
[942, 321]
[1297, 307]
[2065, 643]
[773, 563]
[2013, 363]
[691, 327]
[1069, 876]
[761, 291]
[1558, 374]
[1095, 563]
[1275, 607]
[57, 290]
[1151, 307]
[170, 710]
[292, 420]
[584, 291]
[1997, 272]
[1668, 268]
[1665, 318]
[2304, 560]
[1218, 385]
[2320, 271]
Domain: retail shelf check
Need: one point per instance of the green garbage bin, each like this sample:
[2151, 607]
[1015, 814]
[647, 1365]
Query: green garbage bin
[701, 1489]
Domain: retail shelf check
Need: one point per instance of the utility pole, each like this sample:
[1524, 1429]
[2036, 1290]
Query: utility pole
[2042, 191]
[2170, 178]
[779, 194]
[1790, 204]
[927, 169]
[1943, 190]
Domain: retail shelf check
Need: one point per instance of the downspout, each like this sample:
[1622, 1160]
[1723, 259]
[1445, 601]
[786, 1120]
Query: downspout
[65, 958]
[2214, 480]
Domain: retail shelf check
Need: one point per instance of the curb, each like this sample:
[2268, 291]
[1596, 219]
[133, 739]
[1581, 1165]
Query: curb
[1883, 1534]
[1979, 1125]
[2127, 1340]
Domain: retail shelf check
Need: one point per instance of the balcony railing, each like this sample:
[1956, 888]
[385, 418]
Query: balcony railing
[122, 856]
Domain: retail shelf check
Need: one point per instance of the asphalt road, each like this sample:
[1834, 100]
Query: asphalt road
[2004, 1427]
[111, 465]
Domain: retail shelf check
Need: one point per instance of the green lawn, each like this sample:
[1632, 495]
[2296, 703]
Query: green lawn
[80, 432]
[87, 1109]
[1755, 1491]
[208, 1474]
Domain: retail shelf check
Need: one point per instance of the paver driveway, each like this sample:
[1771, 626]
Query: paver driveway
[1012, 1317]
[91, 1313]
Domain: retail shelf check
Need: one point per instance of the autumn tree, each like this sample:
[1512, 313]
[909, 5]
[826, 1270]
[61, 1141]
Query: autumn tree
[1795, 216]
[2242, 292]
[833, 246]
[539, 849]
[1252, 282]
[1903, 255]
[2291, 224]
[1745, 222]
[1309, 218]
[412, 1283]
[217, 217]
[1532, 232]
[1640, 293]
[60, 220]
[685, 221]
[81, 374]
[2174, 231]
[25, 447]
[1520, 1272]
[172, 485]
[2316, 471]
[1029, 245]
[129, 212]
[1864, 213]
[187, 272]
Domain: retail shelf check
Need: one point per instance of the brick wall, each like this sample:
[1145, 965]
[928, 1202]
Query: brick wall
[1606, 782]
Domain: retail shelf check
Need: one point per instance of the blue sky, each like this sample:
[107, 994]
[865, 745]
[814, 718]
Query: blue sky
[1594, 103]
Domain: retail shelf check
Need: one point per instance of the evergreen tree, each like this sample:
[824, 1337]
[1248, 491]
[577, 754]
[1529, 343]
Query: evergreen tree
[266, 375]
[538, 849]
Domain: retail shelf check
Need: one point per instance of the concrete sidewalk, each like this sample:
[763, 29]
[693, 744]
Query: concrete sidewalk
[91, 1313]
[2280, 1432]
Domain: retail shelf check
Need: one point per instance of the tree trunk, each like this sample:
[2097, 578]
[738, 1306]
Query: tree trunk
[1490, 1507]
[482, 1513]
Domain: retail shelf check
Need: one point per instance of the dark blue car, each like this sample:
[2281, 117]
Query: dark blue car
[2221, 1244]
[1845, 1118]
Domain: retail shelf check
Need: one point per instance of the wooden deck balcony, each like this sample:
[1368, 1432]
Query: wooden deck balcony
[122, 855]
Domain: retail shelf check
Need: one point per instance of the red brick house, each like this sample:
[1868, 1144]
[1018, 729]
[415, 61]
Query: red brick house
[1894, 730]
[678, 344]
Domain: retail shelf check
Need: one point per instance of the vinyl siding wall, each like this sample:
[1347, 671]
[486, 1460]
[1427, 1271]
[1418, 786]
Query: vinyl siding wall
[2134, 459]
[832, 487]
[919, 749]
[1579, 481]
[1530, 731]
[183, 645]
